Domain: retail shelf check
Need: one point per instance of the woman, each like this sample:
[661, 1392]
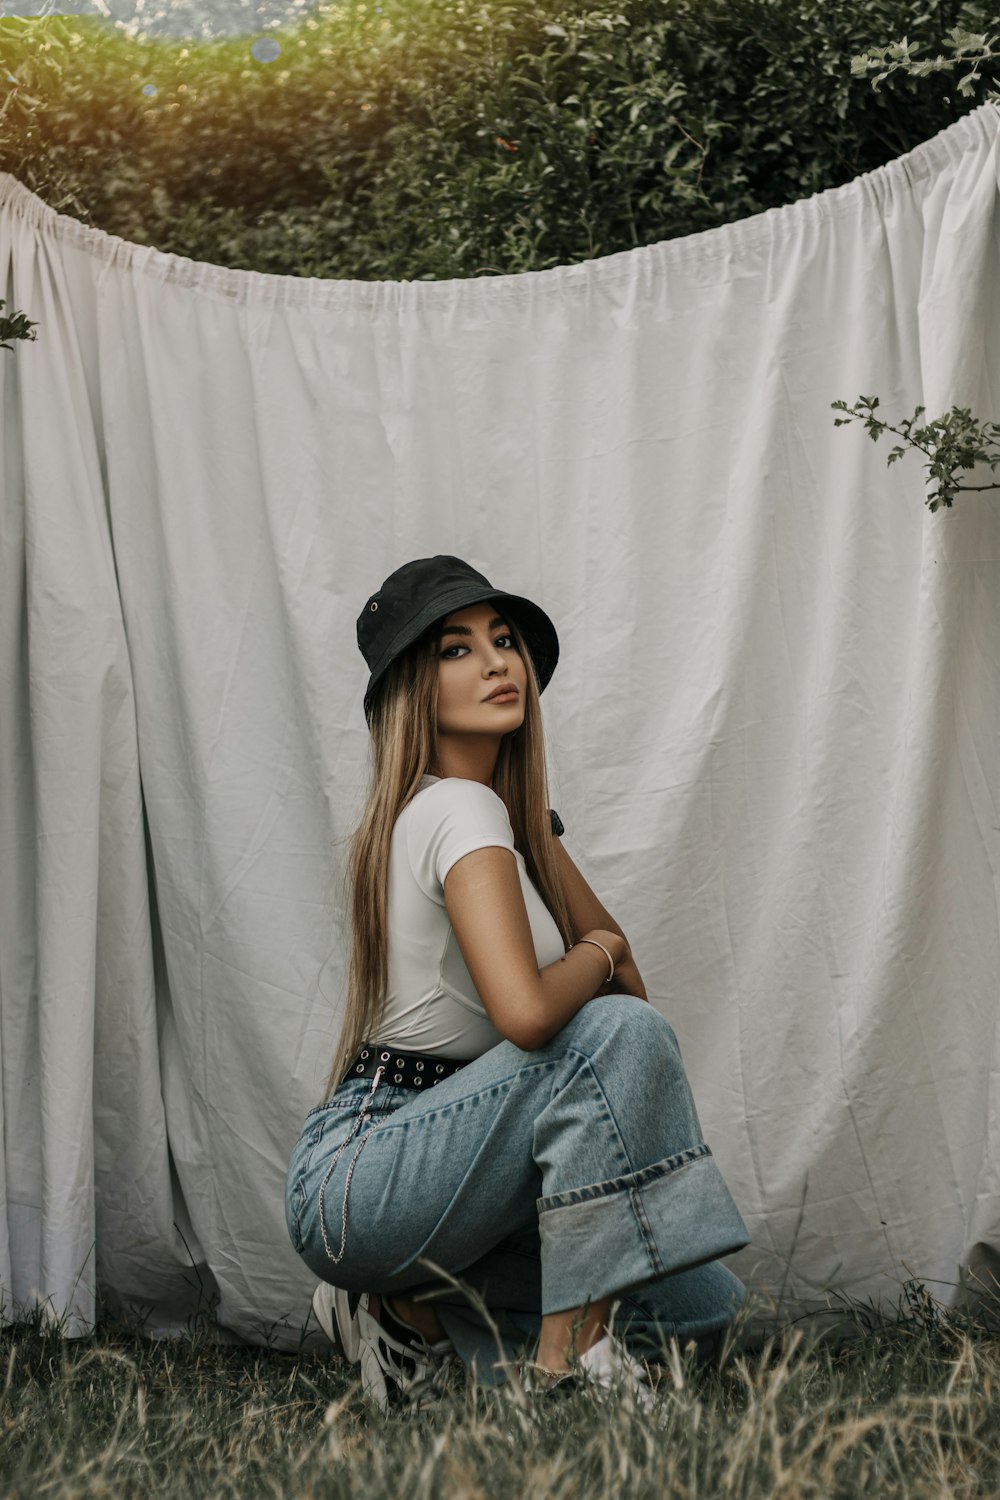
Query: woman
[553, 1196]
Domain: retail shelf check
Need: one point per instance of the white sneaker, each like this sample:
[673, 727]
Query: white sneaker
[607, 1366]
[393, 1374]
[606, 1369]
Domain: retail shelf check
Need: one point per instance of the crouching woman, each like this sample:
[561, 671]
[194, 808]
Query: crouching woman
[508, 1164]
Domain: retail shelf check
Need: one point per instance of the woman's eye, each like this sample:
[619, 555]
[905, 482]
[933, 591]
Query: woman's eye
[504, 640]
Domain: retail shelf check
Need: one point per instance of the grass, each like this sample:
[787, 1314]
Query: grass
[905, 1407]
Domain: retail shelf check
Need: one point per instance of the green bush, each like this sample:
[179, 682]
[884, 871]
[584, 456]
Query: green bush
[438, 138]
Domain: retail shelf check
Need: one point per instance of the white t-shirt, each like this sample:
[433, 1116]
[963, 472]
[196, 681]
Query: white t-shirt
[431, 1003]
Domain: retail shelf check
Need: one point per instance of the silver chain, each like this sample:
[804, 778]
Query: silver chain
[361, 1117]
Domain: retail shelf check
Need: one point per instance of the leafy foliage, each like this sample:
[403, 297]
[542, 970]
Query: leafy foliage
[15, 326]
[967, 48]
[952, 445]
[420, 139]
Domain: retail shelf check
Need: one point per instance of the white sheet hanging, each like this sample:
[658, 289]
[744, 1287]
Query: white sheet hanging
[774, 729]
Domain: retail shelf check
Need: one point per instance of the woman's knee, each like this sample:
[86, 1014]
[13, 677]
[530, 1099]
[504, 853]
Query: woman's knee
[623, 1019]
[625, 1038]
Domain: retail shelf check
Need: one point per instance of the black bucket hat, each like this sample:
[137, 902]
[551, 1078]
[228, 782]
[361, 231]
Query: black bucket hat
[419, 593]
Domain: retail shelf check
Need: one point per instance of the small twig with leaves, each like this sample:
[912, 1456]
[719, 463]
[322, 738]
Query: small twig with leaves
[14, 326]
[951, 445]
[971, 50]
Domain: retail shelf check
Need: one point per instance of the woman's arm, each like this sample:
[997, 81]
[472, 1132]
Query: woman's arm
[528, 1005]
[585, 912]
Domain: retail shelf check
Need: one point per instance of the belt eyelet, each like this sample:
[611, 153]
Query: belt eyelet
[420, 1067]
[439, 1068]
[360, 1068]
[398, 1078]
[385, 1056]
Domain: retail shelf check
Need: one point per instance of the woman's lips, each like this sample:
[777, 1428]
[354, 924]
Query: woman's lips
[509, 696]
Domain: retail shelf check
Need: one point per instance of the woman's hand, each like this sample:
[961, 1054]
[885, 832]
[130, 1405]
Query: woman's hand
[613, 941]
[626, 981]
[589, 917]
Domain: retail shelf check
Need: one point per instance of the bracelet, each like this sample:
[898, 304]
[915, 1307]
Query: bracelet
[607, 955]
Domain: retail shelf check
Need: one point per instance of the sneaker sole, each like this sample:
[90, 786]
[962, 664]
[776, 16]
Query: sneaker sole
[341, 1328]
[373, 1381]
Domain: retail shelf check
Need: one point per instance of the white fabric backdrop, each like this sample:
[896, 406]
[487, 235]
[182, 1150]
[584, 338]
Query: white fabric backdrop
[775, 729]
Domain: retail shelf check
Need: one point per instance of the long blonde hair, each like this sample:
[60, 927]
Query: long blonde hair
[404, 743]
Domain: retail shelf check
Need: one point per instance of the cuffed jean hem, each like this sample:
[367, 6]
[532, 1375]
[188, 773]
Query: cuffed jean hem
[624, 1233]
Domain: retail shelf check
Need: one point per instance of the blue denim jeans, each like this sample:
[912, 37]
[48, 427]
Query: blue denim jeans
[539, 1181]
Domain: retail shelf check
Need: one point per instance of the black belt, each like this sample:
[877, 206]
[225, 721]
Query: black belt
[410, 1070]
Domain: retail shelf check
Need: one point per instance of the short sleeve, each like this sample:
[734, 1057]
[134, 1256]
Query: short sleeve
[449, 820]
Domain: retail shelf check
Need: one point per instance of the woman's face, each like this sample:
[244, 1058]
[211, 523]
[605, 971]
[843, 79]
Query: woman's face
[481, 674]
